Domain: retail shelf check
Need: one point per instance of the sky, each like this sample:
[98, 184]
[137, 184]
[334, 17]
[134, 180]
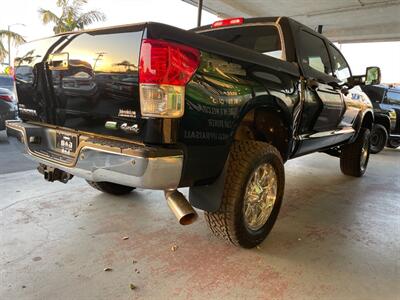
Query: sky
[180, 14]
[385, 55]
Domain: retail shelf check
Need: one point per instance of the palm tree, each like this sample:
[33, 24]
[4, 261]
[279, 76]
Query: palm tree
[72, 17]
[14, 37]
[127, 65]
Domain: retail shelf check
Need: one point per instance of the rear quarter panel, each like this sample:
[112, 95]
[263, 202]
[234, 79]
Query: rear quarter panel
[217, 98]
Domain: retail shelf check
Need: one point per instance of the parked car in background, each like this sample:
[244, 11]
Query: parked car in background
[8, 107]
[7, 82]
[386, 103]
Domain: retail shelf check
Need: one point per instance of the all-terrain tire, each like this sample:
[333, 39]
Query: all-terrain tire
[351, 162]
[111, 188]
[379, 138]
[228, 222]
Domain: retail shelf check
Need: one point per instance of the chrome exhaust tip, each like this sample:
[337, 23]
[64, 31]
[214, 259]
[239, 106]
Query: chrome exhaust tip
[181, 208]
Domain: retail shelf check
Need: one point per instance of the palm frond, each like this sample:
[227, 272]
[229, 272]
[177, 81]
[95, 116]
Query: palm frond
[48, 16]
[62, 3]
[61, 27]
[71, 16]
[90, 17]
[3, 51]
[79, 3]
[16, 38]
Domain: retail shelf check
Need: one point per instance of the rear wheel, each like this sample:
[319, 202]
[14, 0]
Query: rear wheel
[378, 139]
[111, 188]
[354, 157]
[393, 144]
[252, 195]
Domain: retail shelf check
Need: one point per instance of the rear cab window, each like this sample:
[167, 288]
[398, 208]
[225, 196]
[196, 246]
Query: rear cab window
[264, 39]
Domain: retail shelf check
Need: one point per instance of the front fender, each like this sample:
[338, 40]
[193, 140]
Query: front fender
[383, 118]
[365, 119]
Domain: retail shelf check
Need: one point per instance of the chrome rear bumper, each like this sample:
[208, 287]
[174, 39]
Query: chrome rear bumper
[101, 159]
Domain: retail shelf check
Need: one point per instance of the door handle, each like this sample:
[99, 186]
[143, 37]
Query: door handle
[312, 83]
[58, 61]
[345, 90]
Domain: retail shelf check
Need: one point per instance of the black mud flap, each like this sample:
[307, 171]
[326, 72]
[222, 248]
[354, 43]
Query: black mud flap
[209, 197]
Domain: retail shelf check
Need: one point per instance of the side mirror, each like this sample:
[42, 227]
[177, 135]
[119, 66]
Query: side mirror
[373, 76]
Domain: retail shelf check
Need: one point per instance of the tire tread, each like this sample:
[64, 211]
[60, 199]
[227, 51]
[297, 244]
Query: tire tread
[222, 222]
[350, 155]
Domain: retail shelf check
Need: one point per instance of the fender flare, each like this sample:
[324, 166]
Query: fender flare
[382, 119]
[270, 104]
[209, 197]
[264, 102]
[360, 120]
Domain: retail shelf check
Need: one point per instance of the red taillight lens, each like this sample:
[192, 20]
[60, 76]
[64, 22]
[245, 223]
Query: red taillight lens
[6, 98]
[164, 62]
[228, 22]
[164, 70]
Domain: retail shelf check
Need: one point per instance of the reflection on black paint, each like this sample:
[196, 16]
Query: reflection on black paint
[100, 81]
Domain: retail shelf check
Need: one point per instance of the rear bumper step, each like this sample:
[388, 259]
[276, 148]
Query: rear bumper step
[100, 159]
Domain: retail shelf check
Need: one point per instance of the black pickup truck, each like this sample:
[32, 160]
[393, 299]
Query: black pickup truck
[386, 128]
[219, 109]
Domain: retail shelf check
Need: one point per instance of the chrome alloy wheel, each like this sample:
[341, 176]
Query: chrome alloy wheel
[260, 196]
[364, 154]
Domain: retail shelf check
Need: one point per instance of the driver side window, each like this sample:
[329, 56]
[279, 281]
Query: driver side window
[341, 69]
[314, 56]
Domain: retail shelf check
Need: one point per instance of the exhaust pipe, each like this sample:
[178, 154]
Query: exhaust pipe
[181, 208]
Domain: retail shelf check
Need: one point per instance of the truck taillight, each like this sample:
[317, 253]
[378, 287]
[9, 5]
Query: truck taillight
[164, 70]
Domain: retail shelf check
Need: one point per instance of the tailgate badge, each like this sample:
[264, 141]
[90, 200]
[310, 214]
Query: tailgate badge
[127, 113]
[130, 128]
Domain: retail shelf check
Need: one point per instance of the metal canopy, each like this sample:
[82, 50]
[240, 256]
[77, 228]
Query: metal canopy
[342, 21]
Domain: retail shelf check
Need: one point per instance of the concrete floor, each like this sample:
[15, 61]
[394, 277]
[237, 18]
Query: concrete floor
[9, 162]
[337, 237]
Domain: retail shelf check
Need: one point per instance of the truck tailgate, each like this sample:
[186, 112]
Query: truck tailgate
[87, 81]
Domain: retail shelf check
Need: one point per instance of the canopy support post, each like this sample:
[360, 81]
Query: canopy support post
[199, 10]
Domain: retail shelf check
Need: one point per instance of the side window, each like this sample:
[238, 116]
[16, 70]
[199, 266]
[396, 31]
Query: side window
[340, 67]
[314, 55]
[393, 98]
